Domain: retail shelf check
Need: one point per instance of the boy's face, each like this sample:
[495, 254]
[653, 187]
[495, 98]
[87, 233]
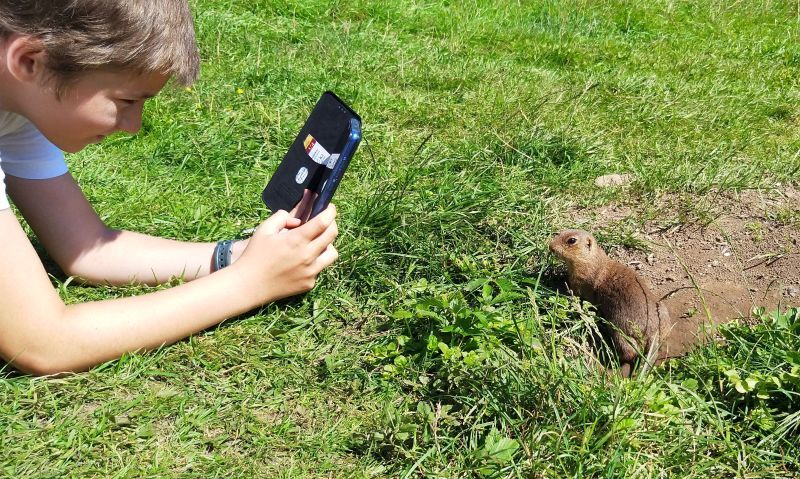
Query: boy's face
[95, 106]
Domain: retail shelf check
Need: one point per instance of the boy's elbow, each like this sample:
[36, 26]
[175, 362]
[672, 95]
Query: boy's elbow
[35, 354]
[41, 363]
[38, 365]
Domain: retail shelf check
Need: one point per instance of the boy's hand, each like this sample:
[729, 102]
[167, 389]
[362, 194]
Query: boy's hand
[276, 265]
[302, 209]
[298, 216]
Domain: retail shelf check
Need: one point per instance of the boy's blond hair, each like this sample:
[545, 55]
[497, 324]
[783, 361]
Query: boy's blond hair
[80, 36]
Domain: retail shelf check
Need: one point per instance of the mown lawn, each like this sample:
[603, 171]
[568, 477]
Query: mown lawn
[437, 347]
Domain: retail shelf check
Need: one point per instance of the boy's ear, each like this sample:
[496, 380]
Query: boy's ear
[25, 59]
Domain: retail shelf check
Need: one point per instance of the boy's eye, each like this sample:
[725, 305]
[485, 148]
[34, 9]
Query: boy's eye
[127, 101]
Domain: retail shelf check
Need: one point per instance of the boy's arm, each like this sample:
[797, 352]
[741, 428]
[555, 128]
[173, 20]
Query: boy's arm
[82, 245]
[39, 334]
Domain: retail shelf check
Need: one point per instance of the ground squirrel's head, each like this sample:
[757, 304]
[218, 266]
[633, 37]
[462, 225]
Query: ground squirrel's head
[576, 247]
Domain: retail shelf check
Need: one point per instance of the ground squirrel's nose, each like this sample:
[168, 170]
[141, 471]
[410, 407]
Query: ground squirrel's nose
[552, 245]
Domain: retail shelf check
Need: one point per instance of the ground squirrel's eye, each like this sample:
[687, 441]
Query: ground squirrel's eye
[572, 240]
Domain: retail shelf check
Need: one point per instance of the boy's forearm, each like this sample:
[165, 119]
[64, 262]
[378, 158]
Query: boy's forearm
[84, 246]
[125, 257]
[90, 333]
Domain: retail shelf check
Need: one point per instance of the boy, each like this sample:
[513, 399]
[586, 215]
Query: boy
[71, 73]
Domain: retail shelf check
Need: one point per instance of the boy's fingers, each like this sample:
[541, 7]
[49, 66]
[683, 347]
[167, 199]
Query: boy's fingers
[292, 224]
[300, 203]
[319, 224]
[301, 209]
[276, 222]
[327, 257]
[321, 242]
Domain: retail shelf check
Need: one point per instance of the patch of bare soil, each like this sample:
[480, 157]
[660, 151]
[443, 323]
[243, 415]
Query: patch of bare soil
[743, 253]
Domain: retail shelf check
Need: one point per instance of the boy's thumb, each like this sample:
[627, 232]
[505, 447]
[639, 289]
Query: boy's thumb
[275, 223]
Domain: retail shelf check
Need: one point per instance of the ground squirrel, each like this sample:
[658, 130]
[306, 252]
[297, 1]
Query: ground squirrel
[636, 319]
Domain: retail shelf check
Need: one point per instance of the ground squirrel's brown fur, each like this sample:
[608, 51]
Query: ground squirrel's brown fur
[637, 320]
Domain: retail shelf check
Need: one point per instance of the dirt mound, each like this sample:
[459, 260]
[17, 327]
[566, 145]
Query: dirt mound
[742, 251]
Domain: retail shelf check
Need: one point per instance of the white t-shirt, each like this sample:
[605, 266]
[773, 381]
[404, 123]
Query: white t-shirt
[26, 153]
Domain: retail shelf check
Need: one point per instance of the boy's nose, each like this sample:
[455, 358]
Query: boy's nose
[131, 122]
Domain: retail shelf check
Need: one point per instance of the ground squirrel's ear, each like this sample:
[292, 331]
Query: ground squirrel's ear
[589, 243]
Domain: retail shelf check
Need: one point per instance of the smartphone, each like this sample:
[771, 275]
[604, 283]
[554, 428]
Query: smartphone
[332, 182]
[317, 159]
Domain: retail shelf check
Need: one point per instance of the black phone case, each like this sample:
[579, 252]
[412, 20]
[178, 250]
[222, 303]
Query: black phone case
[325, 131]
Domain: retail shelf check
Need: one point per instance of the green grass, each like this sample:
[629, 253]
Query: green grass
[433, 348]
